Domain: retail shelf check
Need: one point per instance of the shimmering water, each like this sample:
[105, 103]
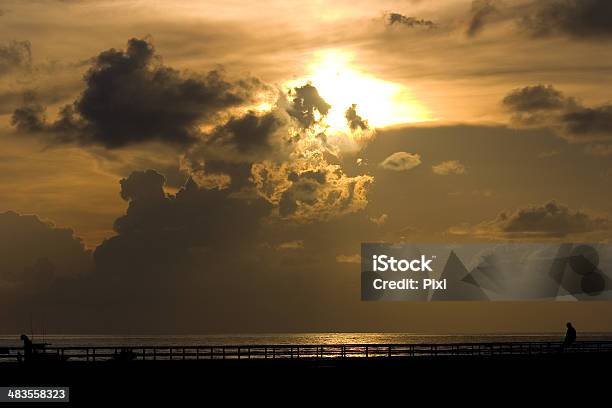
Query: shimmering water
[292, 338]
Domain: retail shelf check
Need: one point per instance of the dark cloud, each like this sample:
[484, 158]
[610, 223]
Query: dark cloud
[541, 105]
[249, 136]
[533, 98]
[481, 10]
[548, 220]
[306, 100]
[193, 216]
[30, 117]
[14, 56]
[412, 22]
[575, 18]
[35, 252]
[541, 18]
[589, 123]
[354, 120]
[131, 97]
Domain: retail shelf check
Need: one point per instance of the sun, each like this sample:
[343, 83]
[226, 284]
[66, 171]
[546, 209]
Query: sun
[341, 84]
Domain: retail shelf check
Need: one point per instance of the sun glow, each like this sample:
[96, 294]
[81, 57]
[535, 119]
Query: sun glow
[380, 102]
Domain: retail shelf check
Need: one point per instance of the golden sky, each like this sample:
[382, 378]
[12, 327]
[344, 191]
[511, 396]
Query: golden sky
[305, 127]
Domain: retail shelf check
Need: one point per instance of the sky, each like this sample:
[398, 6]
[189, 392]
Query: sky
[212, 167]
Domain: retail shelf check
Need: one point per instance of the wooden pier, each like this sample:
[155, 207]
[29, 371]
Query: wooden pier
[303, 352]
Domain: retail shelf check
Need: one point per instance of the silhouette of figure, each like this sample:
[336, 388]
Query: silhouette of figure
[570, 336]
[28, 348]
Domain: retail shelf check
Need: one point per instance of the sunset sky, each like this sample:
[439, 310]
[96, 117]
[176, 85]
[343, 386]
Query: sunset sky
[200, 166]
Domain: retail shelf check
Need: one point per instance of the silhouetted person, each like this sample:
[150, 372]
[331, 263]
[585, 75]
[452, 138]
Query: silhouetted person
[570, 336]
[28, 348]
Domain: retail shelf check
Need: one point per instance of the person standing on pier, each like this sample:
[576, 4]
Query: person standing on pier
[28, 348]
[570, 336]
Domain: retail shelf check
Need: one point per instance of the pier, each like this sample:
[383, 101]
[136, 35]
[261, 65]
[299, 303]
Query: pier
[304, 352]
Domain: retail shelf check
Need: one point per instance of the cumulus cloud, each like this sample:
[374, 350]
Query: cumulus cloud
[192, 214]
[308, 188]
[251, 132]
[587, 123]
[411, 22]
[401, 161]
[545, 106]
[449, 167]
[251, 137]
[575, 18]
[15, 56]
[307, 104]
[131, 97]
[534, 98]
[36, 252]
[547, 220]
[292, 163]
[354, 120]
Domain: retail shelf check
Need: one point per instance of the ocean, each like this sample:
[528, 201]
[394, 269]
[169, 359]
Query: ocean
[286, 339]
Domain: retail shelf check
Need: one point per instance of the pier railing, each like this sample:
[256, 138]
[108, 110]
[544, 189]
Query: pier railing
[282, 351]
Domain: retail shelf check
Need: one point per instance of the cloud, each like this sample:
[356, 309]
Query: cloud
[306, 102]
[15, 56]
[30, 117]
[578, 19]
[411, 22]
[587, 123]
[290, 245]
[354, 120]
[250, 132]
[545, 106]
[309, 188]
[36, 252]
[292, 163]
[131, 97]
[449, 167]
[479, 13]
[574, 18]
[547, 220]
[251, 137]
[599, 149]
[355, 259]
[380, 220]
[192, 214]
[534, 98]
[401, 161]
